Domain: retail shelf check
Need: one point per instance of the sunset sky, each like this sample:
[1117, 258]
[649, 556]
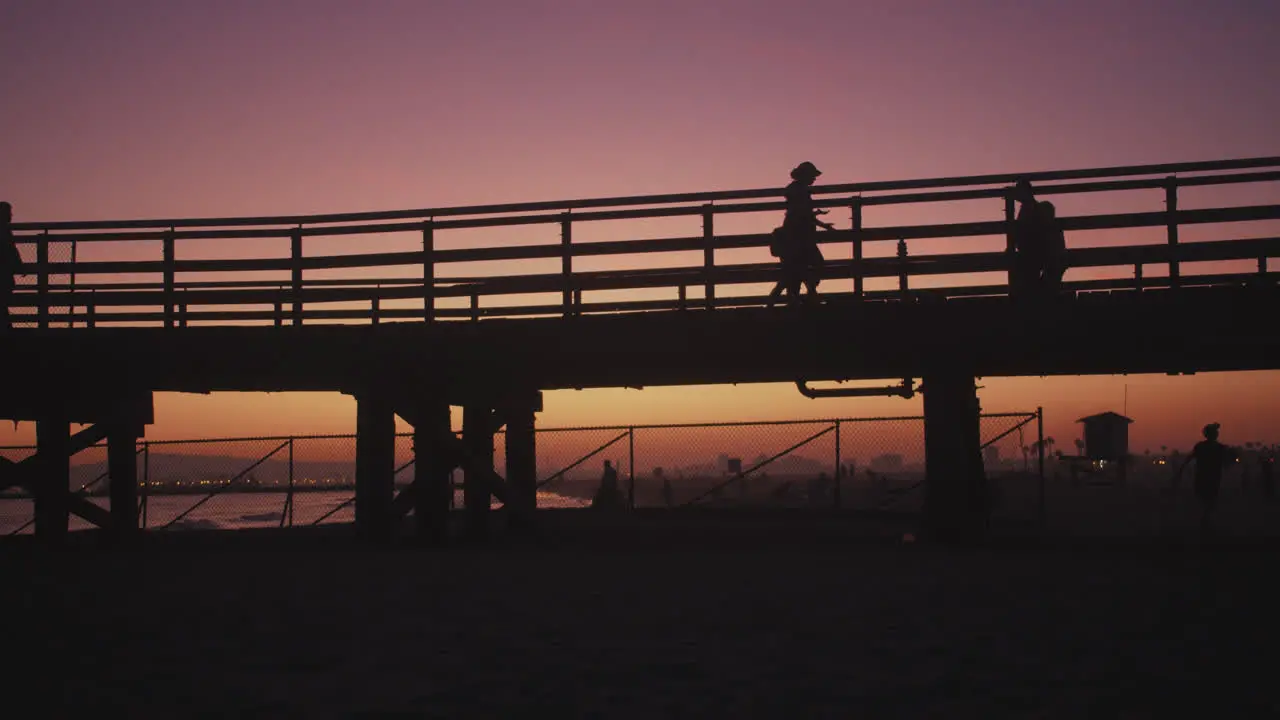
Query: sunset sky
[170, 108]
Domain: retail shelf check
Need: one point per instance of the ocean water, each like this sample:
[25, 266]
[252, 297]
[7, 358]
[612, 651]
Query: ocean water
[235, 511]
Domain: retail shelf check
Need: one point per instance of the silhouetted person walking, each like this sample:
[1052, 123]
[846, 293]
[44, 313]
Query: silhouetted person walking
[607, 497]
[801, 259]
[1210, 457]
[10, 263]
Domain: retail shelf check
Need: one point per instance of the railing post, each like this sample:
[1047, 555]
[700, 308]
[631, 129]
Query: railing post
[429, 271]
[42, 280]
[71, 310]
[835, 493]
[684, 298]
[91, 310]
[1137, 276]
[1171, 211]
[279, 310]
[475, 307]
[170, 264]
[376, 303]
[855, 209]
[709, 254]
[295, 254]
[566, 262]
[182, 310]
[902, 269]
[631, 467]
[1010, 217]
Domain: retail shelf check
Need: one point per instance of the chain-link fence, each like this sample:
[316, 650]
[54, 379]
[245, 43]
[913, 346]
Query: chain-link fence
[856, 463]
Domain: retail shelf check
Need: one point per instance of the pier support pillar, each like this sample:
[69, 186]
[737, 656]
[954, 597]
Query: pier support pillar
[375, 466]
[522, 472]
[122, 469]
[477, 464]
[955, 499]
[433, 463]
[53, 486]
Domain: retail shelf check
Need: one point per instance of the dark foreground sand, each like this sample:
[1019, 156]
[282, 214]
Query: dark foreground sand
[761, 619]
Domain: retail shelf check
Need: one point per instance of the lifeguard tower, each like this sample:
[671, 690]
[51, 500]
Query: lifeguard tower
[1106, 447]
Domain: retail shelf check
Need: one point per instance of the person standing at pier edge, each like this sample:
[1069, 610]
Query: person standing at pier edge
[801, 259]
[1050, 251]
[10, 263]
[1024, 272]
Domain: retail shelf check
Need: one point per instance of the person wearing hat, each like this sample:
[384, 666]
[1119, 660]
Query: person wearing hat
[1210, 457]
[800, 256]
[10, 263]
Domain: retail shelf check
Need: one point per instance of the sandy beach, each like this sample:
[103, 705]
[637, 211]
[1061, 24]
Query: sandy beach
[731, 615]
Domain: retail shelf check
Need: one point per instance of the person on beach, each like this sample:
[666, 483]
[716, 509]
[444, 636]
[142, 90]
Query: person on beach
[607, 496]
[1210, 457]
[10, 263]
[796, 247]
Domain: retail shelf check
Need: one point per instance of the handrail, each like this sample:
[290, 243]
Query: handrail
[696, 197]
[744, 273]
[175, 301]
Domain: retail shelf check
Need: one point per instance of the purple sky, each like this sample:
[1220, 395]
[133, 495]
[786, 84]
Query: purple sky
[229, 107]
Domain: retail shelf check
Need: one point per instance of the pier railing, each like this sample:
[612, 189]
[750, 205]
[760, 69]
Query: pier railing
[1165, 227]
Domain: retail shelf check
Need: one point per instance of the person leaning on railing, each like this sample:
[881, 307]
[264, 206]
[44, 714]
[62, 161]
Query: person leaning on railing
[10, 262]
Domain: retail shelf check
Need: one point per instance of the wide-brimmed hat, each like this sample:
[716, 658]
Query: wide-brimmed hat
[805, 169]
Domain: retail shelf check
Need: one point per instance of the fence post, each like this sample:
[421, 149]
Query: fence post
[295, 255]
[855, 208]
[835, 495]
[146, 480]
[289, 498]
[566, 263]
[631, 467]
[169, 271]
[429, 271]
[1040, 438]
[709, 254]
[42, 281]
